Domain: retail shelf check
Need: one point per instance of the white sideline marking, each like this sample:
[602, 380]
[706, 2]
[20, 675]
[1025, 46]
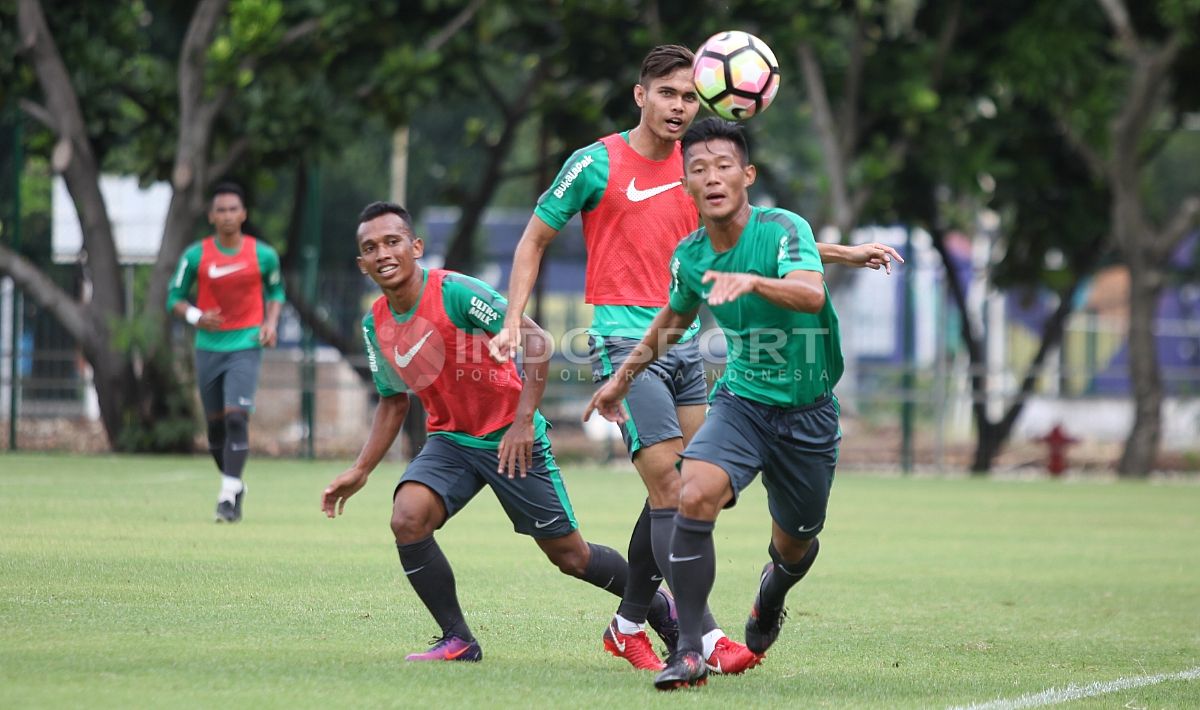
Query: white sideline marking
[1055, 696]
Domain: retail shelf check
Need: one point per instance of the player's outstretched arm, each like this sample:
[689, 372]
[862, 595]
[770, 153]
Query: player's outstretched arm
[527, 261]
[516, 447]
[389, 416]
[871, 256]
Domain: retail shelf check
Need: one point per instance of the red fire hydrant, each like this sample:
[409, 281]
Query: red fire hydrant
[1057, 440]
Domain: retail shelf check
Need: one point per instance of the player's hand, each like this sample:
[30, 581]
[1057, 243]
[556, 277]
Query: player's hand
[728, 286]
[873, 256]
[333, 499]
[607, 400]
[211, 319]
[503, 345]
[516, 450]
[267, 335]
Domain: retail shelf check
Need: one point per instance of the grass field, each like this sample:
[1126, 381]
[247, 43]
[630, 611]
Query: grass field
[117, 590]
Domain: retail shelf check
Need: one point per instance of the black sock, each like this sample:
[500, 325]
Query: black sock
[237, 443]
[216, 441]
[606, 569]
[644, 576]
[662, 527]
[431, 578]
[693, 570]
[784, 576]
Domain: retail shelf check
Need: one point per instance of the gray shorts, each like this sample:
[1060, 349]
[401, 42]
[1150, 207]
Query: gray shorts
[228, 380]
[674, 380]
[796, 449]
[537, 505]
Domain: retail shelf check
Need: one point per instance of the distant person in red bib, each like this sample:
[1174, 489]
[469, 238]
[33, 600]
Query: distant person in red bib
[236, 282]
[427, 336]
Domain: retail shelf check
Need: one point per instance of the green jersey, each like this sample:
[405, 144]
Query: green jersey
[580, 187]
[472, 306]
[777, 356]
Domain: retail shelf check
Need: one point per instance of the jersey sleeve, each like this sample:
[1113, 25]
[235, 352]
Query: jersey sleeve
[684, 298]
[577, 188]
[184, 278]
[797, 247]
[268, 265]
[473, 305]
[387, 382]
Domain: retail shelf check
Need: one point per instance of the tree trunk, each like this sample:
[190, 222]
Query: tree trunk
[1141, 447]
[989, 447]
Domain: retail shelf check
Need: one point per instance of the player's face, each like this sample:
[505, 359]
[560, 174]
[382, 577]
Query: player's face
[717, 179]
[668, 103]
[388, 251]
[227, 213]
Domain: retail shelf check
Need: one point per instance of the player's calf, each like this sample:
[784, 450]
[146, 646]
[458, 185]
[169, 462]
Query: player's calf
[765, 622]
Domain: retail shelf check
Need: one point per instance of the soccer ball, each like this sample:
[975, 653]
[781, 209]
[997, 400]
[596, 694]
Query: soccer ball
[736, 75]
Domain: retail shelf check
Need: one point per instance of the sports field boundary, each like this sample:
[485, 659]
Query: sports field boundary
[1054, 696]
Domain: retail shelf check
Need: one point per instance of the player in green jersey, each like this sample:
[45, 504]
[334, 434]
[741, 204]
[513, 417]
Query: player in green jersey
[236, 281]
[773, 410]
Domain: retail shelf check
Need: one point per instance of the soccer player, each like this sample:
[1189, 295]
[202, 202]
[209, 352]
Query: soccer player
[635, 212]
[239, 294]
[773, 409]
[426, 336]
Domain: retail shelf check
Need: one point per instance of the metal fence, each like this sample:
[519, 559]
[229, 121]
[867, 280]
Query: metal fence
[1084, 384]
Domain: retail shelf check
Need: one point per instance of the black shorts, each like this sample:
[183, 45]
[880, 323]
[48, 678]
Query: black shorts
[228, 380]
[795, 448]
[674, 380]
[537, 505]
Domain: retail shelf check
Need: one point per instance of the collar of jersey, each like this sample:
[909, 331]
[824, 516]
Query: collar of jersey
[403, 317]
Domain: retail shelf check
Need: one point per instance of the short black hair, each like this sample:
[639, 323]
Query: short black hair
[229, 188]
[377, 209]
[713, 128]
[663, 60]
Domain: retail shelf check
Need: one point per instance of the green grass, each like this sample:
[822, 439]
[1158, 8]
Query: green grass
[117, 590]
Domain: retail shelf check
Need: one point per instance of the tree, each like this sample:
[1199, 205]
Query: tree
[1118, 89]
[142, 404]
[1149, 63]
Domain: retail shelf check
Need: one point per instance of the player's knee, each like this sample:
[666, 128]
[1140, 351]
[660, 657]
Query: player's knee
[410, 526]
[695, 502]
[237, 424]
[664, 492]
[570, 560]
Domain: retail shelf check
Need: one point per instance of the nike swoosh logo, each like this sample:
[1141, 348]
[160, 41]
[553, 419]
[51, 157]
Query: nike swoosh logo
[656, 578]
[403, 360]
[414, 571]
[806, 529]
[216, 272]
[459, 652]
[636, 195]
[714, 667]
[689, 558]
[618, 642]
[539, 524]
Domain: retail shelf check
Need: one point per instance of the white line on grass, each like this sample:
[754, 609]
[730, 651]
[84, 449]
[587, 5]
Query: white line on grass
[1055, 696]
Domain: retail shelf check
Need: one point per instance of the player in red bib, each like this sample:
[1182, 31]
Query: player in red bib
[427, 336]
[239, 294]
